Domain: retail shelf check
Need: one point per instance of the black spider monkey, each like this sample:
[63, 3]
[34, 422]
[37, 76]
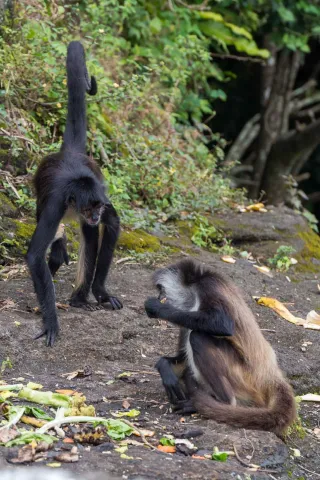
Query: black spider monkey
[224, 368]
[70, 180]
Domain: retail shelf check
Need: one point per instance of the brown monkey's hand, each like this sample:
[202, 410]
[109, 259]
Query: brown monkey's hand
[152, 307]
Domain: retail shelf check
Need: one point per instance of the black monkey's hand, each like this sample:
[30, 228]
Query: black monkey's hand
[152, 307]
[51, 333]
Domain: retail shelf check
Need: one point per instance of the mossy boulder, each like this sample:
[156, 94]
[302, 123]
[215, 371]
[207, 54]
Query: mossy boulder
[7, 208]
[138, 241]
[15, 235]
[261, 233]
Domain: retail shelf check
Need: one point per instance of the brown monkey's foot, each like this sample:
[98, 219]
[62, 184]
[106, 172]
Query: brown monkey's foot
[184, 407]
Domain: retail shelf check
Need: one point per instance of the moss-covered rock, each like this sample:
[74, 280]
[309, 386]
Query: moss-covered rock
[139, 241]
[309, 256]
[7, 208]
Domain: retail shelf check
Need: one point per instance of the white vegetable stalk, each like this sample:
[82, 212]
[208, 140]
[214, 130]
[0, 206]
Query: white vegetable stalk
[15, 419]
[59, 420]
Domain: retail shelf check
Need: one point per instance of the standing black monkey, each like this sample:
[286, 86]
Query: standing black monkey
[70, 180]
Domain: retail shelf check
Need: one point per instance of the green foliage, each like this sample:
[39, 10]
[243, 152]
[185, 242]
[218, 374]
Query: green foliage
[205, 234]
[282, 258]
[288, 23]
[156, 82]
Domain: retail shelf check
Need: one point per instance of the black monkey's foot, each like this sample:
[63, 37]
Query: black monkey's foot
[115, 303]
[51, 334]
[103, 298]
[89, 307]
[184, 407]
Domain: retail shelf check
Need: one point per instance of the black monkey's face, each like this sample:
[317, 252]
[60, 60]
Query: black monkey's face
[92, 214]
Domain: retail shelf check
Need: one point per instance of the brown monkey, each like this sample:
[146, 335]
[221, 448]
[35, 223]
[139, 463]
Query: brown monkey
[224, 369]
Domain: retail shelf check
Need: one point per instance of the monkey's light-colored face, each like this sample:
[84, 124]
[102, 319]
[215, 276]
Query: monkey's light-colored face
[171, 289]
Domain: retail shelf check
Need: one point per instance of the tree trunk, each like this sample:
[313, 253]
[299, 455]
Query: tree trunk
[273, 115]
[288, 155]
[276, 109]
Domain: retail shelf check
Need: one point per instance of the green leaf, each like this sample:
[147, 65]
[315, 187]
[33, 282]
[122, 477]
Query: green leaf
[117, 429]
[167, 442]
[28, 437]
[219, 456]
[211, 16]
[34, 386]
[155, 25]
[38, 413]
[286, 15]
[239, 30]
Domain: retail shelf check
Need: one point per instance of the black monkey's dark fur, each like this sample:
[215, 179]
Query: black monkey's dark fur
[224, 368]
[70, 180]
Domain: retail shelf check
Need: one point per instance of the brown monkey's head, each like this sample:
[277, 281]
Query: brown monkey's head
[173, 289]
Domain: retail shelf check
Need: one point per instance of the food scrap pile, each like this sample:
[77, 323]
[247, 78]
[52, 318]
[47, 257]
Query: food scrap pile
[56, 432]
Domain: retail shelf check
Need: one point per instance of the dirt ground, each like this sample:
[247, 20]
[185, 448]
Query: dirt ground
[127, 340]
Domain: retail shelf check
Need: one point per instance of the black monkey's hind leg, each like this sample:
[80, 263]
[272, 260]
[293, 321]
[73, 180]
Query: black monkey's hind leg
[111, 227]
[58, 255]
[86, 266]
[45, 231]
[166, 367]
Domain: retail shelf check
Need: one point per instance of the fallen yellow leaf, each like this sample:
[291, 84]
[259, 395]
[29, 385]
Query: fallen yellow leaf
[255, 207]
[313, 317]
[310, 397]
[54, 464]
[228, 259]
[146, 433]
[280, 309]
[66, 392]
[264, 270]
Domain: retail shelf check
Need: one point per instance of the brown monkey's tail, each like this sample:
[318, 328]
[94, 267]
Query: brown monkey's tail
[279, 414]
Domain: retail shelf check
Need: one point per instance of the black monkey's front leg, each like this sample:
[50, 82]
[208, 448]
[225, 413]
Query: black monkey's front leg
[86, 266]
[111, 228]
[45, 231]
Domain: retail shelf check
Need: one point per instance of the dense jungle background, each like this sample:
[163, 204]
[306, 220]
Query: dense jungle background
[207, 129]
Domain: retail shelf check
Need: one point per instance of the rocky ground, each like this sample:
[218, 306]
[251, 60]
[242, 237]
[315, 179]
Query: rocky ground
[127, 340]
